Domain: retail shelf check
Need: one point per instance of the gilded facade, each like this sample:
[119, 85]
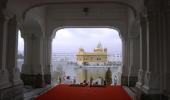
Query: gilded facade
[98, 56]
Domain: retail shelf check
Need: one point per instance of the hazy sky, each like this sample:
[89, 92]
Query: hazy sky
[20, 43]
[69, 40]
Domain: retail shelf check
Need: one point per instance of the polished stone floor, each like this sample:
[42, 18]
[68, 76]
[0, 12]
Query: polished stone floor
[31, 93]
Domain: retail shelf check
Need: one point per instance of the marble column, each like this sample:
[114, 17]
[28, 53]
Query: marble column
[156, 80]
[126, 58]
[152, 75]
[11, 87]
[134, 61]
[4, 78]
[143, 50]
[11, 52]
[46, 58]
[32, 69]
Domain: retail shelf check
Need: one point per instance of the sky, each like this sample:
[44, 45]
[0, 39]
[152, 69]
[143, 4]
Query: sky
[20, 43]
[69, 40]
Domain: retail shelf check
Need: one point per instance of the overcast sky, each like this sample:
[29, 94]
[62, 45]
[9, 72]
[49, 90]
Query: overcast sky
[69, 40]
[20, 43]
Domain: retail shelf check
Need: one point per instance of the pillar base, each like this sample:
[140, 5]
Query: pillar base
[4, 79]
[139, 83]
[47, 78]
[26, 68]
[154, 97]
[149, 90]
[35, 81]
[124, 80]
[140, 95]
[12, 93]
[167, 94]
[17, 79]
[151, 84]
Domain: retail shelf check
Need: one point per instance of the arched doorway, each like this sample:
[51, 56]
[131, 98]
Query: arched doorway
[67, 43]
[20, 53]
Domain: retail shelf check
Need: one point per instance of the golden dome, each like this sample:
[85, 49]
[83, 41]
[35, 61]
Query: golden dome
[98, 49]
[81, 49]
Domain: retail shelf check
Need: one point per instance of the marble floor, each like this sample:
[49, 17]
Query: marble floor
[31, 93]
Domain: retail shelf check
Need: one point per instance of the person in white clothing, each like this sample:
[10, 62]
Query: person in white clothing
[115, 80]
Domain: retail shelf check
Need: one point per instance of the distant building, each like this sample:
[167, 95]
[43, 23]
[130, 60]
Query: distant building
[99, 56]
[95, 64]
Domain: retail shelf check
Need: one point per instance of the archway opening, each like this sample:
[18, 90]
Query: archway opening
[86, 53]
[20, 53]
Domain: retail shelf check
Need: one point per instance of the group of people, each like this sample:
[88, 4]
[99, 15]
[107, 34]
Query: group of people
[67, 80]
[98, 81]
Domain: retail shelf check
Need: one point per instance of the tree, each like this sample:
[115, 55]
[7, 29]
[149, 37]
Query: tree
[108, 77]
